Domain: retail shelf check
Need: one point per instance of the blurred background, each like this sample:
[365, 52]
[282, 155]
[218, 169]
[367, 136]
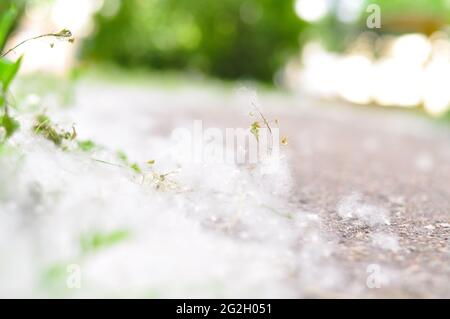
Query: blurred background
[322, 48]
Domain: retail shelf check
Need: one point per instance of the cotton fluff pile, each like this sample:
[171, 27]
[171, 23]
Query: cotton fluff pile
[210, 230]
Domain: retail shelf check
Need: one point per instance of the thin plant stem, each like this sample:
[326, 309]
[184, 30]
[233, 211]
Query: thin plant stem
[107, 163]
[266, 123]
[263, 118]
[62, 34]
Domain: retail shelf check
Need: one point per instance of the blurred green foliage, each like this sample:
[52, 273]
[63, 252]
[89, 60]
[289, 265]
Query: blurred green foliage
[10, 12]
[8, 71]
[397, 17]
[91, 242]
[227, 38]
[434, 8]
[403, 16]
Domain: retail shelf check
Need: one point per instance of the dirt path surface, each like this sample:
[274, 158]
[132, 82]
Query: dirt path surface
[349, 165]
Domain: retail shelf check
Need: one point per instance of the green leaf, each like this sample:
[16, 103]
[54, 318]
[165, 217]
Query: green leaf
[135, 167]
[43, 126]
[254, 129]
[98, 240]
[53, 277]
[8, 71]
[64, 33]
[9, 124]
[6, 22]
[86, 145]
[7, 150]
[54, 274]
[122, 156]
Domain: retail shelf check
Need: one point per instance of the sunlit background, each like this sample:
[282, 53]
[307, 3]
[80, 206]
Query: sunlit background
[319, 47]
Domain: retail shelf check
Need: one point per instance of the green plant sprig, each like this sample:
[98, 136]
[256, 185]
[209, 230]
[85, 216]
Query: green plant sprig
[44, 127]
[255, 126]
[266, 123]
[64, 34]
[8, 71]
